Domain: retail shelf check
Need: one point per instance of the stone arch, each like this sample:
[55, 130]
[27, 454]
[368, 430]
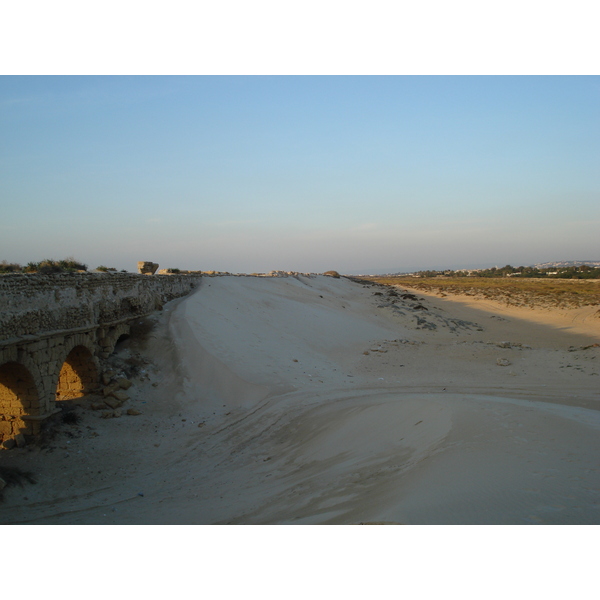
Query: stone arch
[111, 338]
[78, 375]
[19, 398]
[120, 340]
[34, 358]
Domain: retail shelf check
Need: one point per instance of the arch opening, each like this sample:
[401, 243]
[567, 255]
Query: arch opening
[18, 398]
[122, 343]
[78, 375]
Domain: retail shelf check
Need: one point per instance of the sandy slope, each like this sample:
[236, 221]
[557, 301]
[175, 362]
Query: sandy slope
[318, 400]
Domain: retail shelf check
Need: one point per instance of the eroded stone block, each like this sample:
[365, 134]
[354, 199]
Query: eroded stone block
[147, 268]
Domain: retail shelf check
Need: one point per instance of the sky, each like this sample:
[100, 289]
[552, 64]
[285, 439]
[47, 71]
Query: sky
[361, 174]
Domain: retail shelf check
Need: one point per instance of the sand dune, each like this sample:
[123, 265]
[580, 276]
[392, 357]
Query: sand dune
[321, 400]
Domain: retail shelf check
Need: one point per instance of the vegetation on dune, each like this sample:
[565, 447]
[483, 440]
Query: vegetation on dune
[50, 265]
[6, 267]
[511, 290]
[44, 267]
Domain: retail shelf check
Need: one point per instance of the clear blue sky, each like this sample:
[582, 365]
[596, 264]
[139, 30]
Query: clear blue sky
[243, 174]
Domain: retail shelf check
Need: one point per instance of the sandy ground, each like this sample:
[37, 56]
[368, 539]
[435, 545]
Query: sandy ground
[322, 400]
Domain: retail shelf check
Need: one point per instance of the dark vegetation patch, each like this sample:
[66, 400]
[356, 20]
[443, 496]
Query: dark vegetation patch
[6, 267]
[65, 422]
[70, 417]
[45, 267]
[13, 476]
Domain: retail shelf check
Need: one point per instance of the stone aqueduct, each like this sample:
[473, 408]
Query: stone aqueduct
[54, 329]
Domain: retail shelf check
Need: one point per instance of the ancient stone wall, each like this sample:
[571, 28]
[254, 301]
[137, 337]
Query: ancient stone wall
[55, 329]
[35, 374]
[33, 304]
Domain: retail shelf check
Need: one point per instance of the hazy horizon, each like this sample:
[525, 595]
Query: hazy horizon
[376, 271]
[248, 174]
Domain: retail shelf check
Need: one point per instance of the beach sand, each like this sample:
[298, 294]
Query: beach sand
[316, 400]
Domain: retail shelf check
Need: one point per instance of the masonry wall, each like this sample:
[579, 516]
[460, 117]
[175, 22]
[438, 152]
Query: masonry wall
[31, 305]
[55, 328]
[33, 374]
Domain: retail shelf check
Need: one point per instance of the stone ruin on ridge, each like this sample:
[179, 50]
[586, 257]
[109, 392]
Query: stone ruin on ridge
[147, 268]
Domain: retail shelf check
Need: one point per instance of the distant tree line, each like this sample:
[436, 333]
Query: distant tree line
[579, 272]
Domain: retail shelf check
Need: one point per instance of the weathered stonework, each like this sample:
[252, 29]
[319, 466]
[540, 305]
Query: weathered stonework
[55, 328]
[147, 268]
